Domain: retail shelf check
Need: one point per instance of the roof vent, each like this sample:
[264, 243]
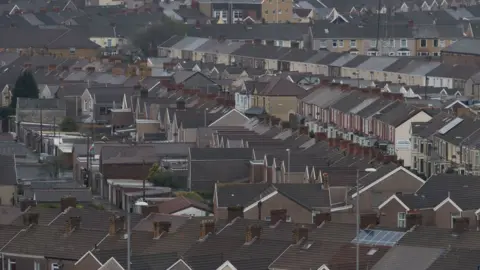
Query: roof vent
[326, 31]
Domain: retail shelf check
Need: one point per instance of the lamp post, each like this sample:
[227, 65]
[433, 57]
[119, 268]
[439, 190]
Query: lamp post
[129, 232]
[369, 170]
[288, 165]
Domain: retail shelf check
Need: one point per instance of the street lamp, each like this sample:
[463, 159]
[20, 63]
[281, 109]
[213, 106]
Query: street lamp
[288, 165]
[357, 193]
[129, 232]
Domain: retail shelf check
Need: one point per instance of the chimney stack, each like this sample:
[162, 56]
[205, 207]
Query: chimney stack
[147, 210]
[67, 202]
[460, 224]
[181, 105]
[253, 231]
[234, 212]
[321, 218]
[325, 181]
[73, 223]
[368, 220]
[299, 233]
[30, 218]
[160, 227]
[276, 215]
[116, 224]
[207, 227]
[413, 219]
[25, 204]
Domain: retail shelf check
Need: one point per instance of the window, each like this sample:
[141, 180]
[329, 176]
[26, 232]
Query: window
[391, 54]
[12, 264]
[415, 163]
[334, 43]
[372, 53]
[422, 53]
[391, 42]
[36, 266]
[323, 44]
[266, 11]
[340, 43]
[105, 111]
[435, 43]
[423, 43]
[267, 218]
[436, 54]
[55, 266]
[442, 43]
[353, 43]
[403, 43]
[289, 219]
[403, 53]
[401, 220]
[72, 50]
[373, 43]
[454, 216]
[280, 11]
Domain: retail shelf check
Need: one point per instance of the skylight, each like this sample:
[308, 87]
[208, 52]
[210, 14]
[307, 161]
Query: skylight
[378, 237]
[372, 251]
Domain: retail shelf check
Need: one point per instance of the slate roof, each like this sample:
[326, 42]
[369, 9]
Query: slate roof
[138, 261]
[345, 257]
[8, 169]
[7, 232]
[402, 257]
[456, 259]
[432, 237]
[282, 87]
[204, 174]
[461, 188]
[180, 203]
[309, 196]
[50, 38]
[55, 195]
[260, 51]
[220, 153]
[48, 242]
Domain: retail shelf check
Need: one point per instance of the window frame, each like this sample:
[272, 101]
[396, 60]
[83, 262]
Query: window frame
[402, 219]
[340, 43]
[421, 43]
[11, 264]
[335, 43]
[452, 216]
[353, 43]
[36, 266]
[403, 43]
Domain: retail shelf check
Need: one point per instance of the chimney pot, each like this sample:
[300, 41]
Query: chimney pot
[276, 215]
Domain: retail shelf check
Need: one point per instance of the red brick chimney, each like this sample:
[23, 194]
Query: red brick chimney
[276, 215]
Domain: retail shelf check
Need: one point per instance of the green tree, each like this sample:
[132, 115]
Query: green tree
[68, 125]
[148, 39]
[191, 195]
[25, 87]
[158, 176]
